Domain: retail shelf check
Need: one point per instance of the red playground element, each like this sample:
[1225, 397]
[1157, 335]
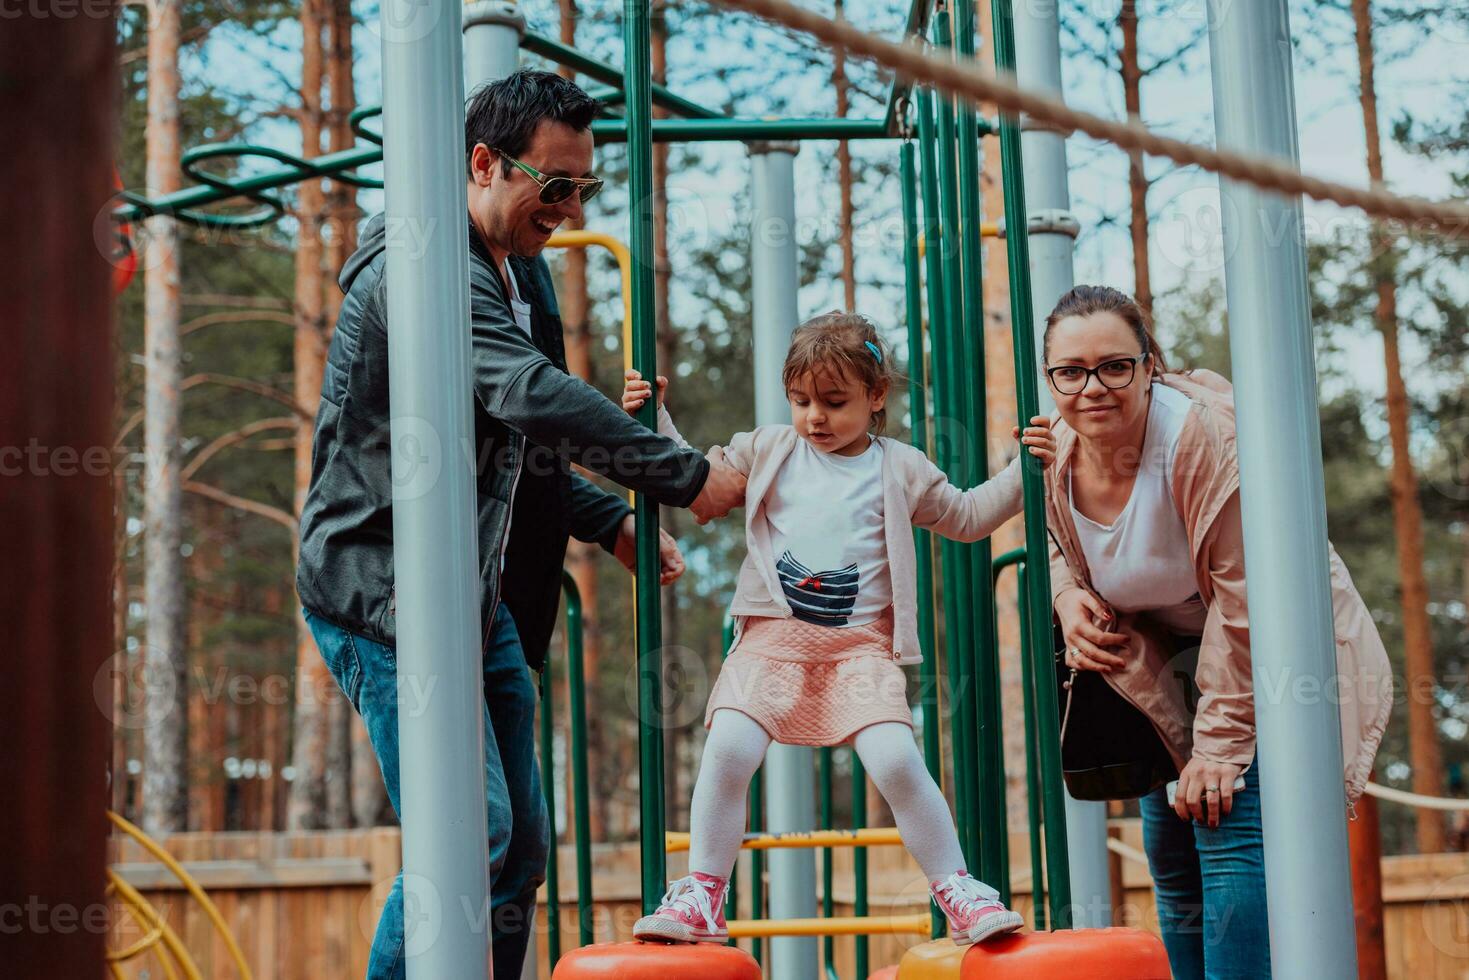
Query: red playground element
[120, 254]
[1067, 954]
[657, 961]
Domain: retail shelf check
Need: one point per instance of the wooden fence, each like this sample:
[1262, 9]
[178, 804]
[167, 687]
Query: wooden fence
[304, 905]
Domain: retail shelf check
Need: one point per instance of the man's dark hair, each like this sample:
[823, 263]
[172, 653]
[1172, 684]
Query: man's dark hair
[504, 114]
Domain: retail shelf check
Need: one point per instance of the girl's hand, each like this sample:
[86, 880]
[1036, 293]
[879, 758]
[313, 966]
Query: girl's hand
[635, 391]
[1080, 612]
[1039, 438]
[1205, 790]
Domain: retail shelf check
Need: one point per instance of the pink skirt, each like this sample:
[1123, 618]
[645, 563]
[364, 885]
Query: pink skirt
[813, 685]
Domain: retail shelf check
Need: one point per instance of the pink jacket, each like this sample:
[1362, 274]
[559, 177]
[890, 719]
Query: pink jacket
[915, 493]
[1206, 490]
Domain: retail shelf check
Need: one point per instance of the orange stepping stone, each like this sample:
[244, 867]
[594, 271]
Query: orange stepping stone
[1096, 954]
[657, 961]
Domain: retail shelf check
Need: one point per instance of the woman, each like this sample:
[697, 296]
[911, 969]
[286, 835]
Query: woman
[1143, 507]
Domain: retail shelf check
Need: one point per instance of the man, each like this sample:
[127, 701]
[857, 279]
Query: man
[529, 158]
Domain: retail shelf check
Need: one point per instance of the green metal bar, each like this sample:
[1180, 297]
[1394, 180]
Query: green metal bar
[988, 737]
[961, 643]
[918, 415]
[1032, 758]
[637, 85]
[732, 893]
[859, 859]
[554, 50]
[577, 691]
[704, 130]
[828, 943]
[548, 789]
[757, 860]
[1038, 581]
[933, 292]
[1032, 764]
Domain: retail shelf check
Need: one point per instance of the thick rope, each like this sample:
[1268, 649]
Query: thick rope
[1416, 799]
[965, 80]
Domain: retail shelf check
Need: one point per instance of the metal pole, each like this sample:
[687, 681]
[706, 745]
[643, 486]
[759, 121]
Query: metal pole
[989, 741]
[441, 738]
[1037, 557]
[577, 693]
[790, 790]
[955, 416]
[492, 33]
[638, 85]
[1053, 231]
[1286, 570]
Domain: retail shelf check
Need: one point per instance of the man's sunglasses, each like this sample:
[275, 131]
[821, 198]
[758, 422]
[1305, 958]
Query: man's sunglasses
[554, 190]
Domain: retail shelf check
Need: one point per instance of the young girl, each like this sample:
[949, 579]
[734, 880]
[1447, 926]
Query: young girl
[825, 615]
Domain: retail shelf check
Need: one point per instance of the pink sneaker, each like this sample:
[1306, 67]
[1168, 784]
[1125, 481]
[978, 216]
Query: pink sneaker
[692, 912]
[974, 910]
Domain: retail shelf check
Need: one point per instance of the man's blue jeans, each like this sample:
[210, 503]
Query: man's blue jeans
[1210, 887]
[518, 831]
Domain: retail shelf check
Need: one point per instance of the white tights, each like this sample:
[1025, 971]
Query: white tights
[734, 750]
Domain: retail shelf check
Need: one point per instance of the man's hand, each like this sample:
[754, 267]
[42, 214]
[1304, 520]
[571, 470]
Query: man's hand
[723, 491]
[670, 559]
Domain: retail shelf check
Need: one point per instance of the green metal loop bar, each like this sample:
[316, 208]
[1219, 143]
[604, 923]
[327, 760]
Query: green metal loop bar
[580, 795]
[1038, 579]
[548, 789]
[360, 116]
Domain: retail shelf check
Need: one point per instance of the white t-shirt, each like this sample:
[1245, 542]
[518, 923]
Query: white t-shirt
[1142, 561]
[826, 520]
[518, 307]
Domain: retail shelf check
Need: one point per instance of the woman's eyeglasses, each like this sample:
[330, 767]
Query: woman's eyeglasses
[1072, 379]
[554, 190]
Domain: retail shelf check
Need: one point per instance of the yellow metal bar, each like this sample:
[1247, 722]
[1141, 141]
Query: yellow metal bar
[867, 837]
[917, 924]
[988, 229]
[149, 915]
[937, 960]
[192, 886]
[581, 238]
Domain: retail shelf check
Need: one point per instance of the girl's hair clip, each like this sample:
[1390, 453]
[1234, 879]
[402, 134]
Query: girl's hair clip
[876, 351]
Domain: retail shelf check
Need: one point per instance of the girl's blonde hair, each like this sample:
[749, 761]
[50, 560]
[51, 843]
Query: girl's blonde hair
[845, 344]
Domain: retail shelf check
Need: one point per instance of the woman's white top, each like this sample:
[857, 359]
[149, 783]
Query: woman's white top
[826, 521]
[1142, 561]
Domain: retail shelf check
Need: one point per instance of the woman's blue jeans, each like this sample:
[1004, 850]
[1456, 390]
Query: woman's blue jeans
[1210, 887]
[367, 673]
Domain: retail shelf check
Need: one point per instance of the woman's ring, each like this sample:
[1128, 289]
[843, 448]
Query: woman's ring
[1212, 789]
[1073, 652]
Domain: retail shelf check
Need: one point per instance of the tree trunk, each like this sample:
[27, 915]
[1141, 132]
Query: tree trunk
[1137, 181]
[844, 178]
[165, 666]
[1365, 839]
[59, 103]
[1428, 776]
[315, 688]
